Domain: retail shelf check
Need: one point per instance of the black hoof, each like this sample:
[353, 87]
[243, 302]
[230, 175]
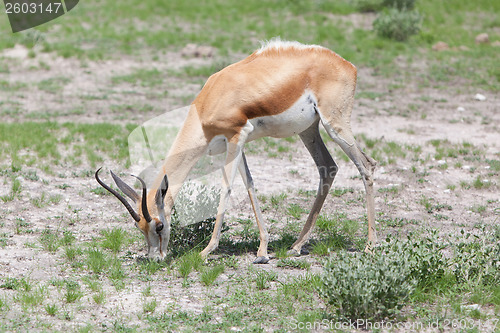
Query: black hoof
[261, 260]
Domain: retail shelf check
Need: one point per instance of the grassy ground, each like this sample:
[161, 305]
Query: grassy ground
[69, 262]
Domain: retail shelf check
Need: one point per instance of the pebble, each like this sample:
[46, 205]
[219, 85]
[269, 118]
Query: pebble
[440, 46]
[482, 38]
[471, 307]
[460, 109]
[479, 97]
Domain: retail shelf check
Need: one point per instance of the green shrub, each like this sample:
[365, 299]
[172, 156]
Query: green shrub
[423, 257]
[368, 5]
[376, 286]
[476, 262]
[193, 217]
[400, 4]
[396, 24]
[366, 286]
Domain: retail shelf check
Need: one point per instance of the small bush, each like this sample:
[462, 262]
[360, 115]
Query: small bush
[423, 257]
[475, 262]
[366, 6]
[398, 25]
[193, 216]
[400, 4]
[366, 286]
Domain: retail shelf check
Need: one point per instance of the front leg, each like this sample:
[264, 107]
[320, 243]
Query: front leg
[262, 256]
[233, 159]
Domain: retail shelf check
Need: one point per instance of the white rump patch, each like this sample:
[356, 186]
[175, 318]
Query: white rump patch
[276, 43]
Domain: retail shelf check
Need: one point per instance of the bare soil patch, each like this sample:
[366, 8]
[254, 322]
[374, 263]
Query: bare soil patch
[410, 115]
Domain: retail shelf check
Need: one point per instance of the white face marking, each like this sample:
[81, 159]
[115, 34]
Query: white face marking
[295, 120]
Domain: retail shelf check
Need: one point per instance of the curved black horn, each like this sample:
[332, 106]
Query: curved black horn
[134, 215]
[144, 204]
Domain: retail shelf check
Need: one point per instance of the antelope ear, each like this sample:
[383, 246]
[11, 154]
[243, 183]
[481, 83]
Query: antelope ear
[162, 191]
[129, 192]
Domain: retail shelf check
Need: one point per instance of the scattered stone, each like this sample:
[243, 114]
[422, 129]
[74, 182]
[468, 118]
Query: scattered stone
[496, 43]
[463, 48]
[189, 50]
[441, 162]
[471, 307]
[482, 38]
[440, 46]
[205, 51]
[479, 97]
[460, 109]
[197, 51]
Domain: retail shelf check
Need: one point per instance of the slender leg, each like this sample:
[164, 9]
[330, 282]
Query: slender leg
[233, 158]
[327, 170]
[262, 257]
[366, 166]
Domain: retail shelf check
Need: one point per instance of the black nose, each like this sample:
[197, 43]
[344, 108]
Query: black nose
[159, 227]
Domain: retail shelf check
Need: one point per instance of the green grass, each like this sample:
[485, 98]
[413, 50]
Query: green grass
[253, 299]
[46, 140]
[217, 23]
[208, 276]
[262, 278]
[142, 77]
[149, 307]
[15, 191]
[50, 240]
[73, 292]
[53, 85]
[296, 211]
[114, 239]
[97, 261]
[51, 309]
[188, 262]
[293, 263]
[44, 200]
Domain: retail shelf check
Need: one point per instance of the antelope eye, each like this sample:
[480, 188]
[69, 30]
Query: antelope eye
[159, 227]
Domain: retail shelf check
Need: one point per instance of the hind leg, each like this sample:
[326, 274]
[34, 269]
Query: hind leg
[327, 170]
[366, 166]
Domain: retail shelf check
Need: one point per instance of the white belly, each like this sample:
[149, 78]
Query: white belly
[299, 117]
[295, 120]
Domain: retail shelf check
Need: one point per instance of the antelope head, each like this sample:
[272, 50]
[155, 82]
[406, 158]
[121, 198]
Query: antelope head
[156, 230]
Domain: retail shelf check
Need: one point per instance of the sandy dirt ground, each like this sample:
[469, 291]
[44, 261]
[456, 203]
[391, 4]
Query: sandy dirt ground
[408, 113]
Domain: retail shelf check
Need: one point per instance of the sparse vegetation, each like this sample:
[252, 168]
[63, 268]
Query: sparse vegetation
[70, 95]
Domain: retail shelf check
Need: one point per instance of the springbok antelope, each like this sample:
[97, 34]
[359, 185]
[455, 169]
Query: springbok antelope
[282, 89]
